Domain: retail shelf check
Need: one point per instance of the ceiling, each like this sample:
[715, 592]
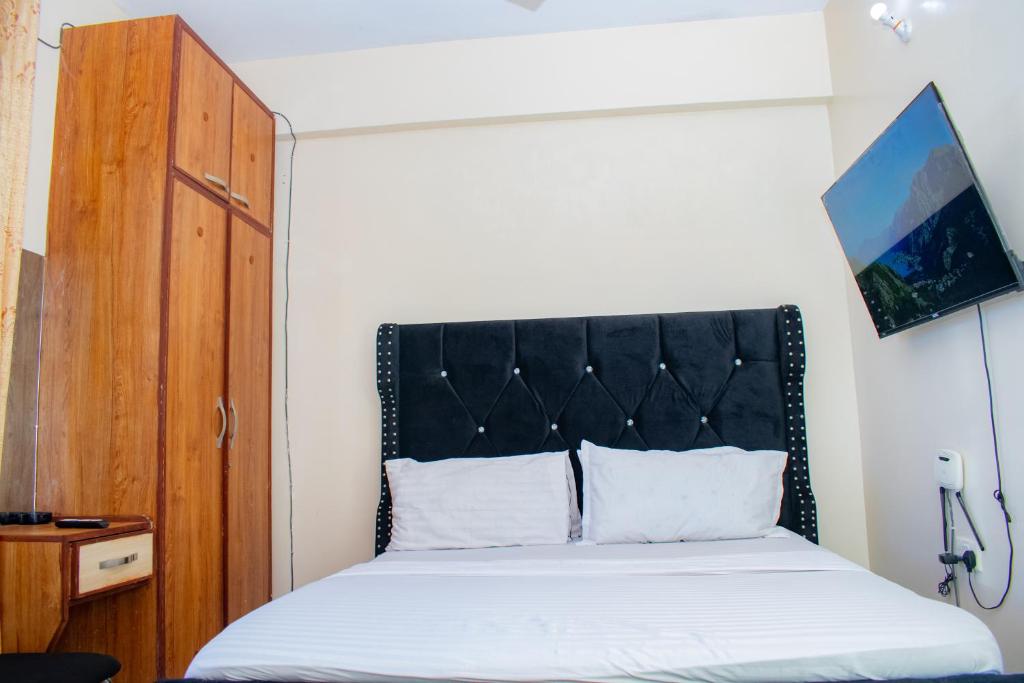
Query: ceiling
[241, 30]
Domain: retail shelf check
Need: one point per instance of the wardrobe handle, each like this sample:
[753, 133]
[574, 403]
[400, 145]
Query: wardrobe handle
[223, 421]
[234, 426]
[216, 180]
[242, 199]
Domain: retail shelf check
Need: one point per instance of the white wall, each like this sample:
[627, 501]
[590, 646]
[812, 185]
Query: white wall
[924, 389]
[667, 212]
[614, 70]
[52, 13]
[543, 214]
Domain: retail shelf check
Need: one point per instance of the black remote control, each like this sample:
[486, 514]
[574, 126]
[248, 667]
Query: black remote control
[82, 523]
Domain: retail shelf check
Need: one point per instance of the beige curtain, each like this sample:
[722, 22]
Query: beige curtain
[19, 25]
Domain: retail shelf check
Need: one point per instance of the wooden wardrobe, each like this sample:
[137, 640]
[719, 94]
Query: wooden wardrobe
[155, 376]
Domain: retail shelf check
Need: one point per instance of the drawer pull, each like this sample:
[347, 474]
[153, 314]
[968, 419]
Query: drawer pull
[216, 180]
[241, 199]
[119, 561]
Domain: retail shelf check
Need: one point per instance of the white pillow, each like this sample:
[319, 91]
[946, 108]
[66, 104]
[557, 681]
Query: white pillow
[479, 502]
[662, 496]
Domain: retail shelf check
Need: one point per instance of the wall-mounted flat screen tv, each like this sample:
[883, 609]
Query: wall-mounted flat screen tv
[915, 225]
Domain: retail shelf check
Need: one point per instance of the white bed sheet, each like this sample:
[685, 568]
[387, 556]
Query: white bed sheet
[769, 609]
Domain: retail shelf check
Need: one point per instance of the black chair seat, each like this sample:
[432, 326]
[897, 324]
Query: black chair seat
[59, 667]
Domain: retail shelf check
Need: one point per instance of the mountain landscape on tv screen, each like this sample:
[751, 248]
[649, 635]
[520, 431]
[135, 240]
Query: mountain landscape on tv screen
[952, 256]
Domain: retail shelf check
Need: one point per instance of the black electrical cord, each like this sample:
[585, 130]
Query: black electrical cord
[945, 520]
[998, 493]
[944, 584]
[970, 521]
[952, 543]
[947, 532]
[287, 301]
[61, 40]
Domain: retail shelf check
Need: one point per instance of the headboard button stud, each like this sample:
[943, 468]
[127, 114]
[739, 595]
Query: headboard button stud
[554, 427]
[515, 370]
[629, 422]
[704, 419]
[661, 365]
[738, 362]
[590, 368]
[480, 429]
[444, 373]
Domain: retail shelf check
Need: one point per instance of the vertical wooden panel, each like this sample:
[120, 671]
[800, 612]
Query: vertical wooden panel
[101, 321]
[203, 138]
[18, 477]
[193, 477]
[122, 625]
[30, 569]
[252, 157]
[19, 25]
[248, 483]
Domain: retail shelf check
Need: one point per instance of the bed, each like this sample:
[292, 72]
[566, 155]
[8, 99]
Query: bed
[775, 608]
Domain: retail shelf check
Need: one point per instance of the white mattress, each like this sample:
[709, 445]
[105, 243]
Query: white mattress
[771, 609]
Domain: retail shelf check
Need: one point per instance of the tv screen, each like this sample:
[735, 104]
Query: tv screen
[914, 223]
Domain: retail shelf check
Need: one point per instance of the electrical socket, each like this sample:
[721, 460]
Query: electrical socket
[963, 545]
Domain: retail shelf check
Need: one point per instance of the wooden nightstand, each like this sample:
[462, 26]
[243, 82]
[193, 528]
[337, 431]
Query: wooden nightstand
[45, 572]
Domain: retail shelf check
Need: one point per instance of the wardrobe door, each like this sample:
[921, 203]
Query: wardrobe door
[248, 453]
[196, 420]
[252, 157]
[202, 145]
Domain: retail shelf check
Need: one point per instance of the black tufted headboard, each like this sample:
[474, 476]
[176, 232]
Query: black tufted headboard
[669, 381]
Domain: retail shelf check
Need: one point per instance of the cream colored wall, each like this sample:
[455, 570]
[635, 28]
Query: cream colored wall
[501, 200]
[666, 212]
[924, 389]
[52, 13]
[639, 68]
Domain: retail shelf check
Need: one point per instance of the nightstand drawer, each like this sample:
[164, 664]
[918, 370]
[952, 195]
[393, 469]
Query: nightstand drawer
[111, 563]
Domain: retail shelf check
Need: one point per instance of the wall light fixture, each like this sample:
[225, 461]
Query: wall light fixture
[901, 27]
